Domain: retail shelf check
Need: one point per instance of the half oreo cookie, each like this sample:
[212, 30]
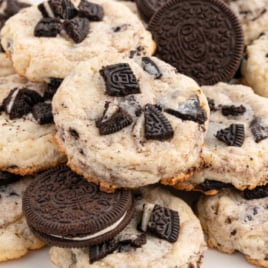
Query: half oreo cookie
[201, 38]
[63, 209]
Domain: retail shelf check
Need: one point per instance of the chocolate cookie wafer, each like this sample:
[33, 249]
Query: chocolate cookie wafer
[202, 39]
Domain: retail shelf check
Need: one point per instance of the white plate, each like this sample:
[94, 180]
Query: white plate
[212, 259]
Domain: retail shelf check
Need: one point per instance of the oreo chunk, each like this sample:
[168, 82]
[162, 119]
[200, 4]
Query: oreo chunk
[119, 80]
[114, 121]
[42, 113]
[20, 102]
[233, 110]
[258, 192]
[7, 178]
[211, 104]
[48, 27]
[206, 47]
[189, 110]
[97, 252]
[234, 135]
[148, 7]
[52, 87]
[161, 222]
[61, 9]
[91, 11]
[208, 185]
[150, 67]
[259, 130]
[157, 127]
[64, 209]
[77, 28]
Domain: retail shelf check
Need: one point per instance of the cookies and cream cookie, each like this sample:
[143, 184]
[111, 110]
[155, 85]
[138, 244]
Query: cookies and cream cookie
[26, 127]
[255, 65]
[253, 16]
[16, 239]
[130, 122]
[135, 248]
[234, 221]
[236, 142]
[49, 40]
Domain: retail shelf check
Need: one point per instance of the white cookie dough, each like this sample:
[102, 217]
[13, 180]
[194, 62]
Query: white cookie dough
[233, 223]
[255, 67]
[253, 15]
[186, 252]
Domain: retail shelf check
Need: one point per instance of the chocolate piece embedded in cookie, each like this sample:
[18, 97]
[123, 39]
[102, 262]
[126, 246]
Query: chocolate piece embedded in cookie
[42, 113]
[61, 9]
[156, 125]
[20, 102]
[119, 80]
[161, 222]
[258, 192]
[63, 209]
[77, 28]
[148, 7]
[150, 67]
[48, 27]
[6, 178]
[233, 135]
[52, 87]
[91, 11]
[202, 39]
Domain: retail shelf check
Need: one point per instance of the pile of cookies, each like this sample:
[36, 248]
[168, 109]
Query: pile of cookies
[105, 103]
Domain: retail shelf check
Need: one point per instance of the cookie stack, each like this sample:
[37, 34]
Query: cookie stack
[97, 114]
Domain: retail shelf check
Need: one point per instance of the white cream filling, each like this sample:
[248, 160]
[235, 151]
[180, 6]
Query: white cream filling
[147, 211]
[48, 10]
[104, 231]
[11, 103]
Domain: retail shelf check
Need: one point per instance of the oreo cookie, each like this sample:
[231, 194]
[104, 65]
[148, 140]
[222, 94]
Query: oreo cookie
[64, 209]
[201, 38]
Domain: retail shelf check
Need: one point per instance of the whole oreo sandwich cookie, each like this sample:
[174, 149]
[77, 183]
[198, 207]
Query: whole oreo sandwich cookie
[64, 209]
[201, 38]
[125, 122]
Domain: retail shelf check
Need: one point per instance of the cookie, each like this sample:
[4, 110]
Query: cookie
[16, 239]
[202, 39]
[254, 67]
[253, 17]
[186, 251]
[64, 209]
[233, 223]
[8, 8]
[26, 131]
[236, 142]
[30, 38]
[129, 120]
